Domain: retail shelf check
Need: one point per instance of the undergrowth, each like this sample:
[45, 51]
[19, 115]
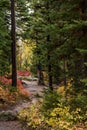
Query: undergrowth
[60, 110]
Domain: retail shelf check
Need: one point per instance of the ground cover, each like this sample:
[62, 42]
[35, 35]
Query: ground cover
[62, 109]
[10, 95]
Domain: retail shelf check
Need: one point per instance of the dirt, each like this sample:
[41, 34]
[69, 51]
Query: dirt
[11, 125]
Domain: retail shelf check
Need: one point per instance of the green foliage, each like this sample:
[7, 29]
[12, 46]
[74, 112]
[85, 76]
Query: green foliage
[59, 29]
[58, 35]
[79, 102]
[51, 100]
[10, 88]
[57, 112]
[7, 117]
[61, 117]
[5, 43]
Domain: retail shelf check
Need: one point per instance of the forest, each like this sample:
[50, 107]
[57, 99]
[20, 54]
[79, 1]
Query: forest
[45, 41]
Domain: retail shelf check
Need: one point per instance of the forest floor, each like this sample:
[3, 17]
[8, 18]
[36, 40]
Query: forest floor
[36, 93]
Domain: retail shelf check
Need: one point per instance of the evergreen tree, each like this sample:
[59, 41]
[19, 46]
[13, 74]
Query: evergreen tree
[74, 26]
[5, 43]
[43, 28]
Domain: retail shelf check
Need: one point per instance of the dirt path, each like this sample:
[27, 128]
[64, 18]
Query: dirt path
[33, 88]
[35, 93]
[11, 125]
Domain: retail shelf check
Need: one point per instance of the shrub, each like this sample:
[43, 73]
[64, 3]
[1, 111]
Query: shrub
[50, 101]
[79, 101]
[32, 117]
[60, 118]
[78, 108]
[57, 112]
[8, 97]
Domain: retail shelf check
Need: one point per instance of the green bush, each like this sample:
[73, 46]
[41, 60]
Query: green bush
[78, 102]
[51, 100]
[56, 112]
[78, 108]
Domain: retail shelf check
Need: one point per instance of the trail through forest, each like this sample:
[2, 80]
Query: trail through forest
[36, 93]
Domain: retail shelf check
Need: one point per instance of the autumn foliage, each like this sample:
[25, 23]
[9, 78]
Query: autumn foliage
[5, 81]
[21, 89]
[23, 73]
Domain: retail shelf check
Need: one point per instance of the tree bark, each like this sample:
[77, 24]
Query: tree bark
[64, 67]
[40, 75]
[50, 77]
[13, 38]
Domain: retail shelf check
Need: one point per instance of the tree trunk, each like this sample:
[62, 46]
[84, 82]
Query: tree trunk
[84, 29]
[64, 69]
[50, 80]
[50, 77]
[40, 75]
[14, 73]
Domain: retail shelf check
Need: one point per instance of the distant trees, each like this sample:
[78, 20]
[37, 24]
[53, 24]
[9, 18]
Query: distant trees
[59, 29]
[43, 28]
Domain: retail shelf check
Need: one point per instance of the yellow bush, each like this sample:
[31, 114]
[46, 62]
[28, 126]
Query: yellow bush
[4, 93]
[8, 97]
[60, 118]
[32, 116]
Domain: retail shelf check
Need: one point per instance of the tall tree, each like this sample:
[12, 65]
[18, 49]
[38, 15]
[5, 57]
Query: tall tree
[14, 73]
[43, 29]
[58, 35]
[74, 26]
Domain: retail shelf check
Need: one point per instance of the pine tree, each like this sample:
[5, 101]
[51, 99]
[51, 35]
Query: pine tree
[44, 29]
[74, 27]
[5, 43]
